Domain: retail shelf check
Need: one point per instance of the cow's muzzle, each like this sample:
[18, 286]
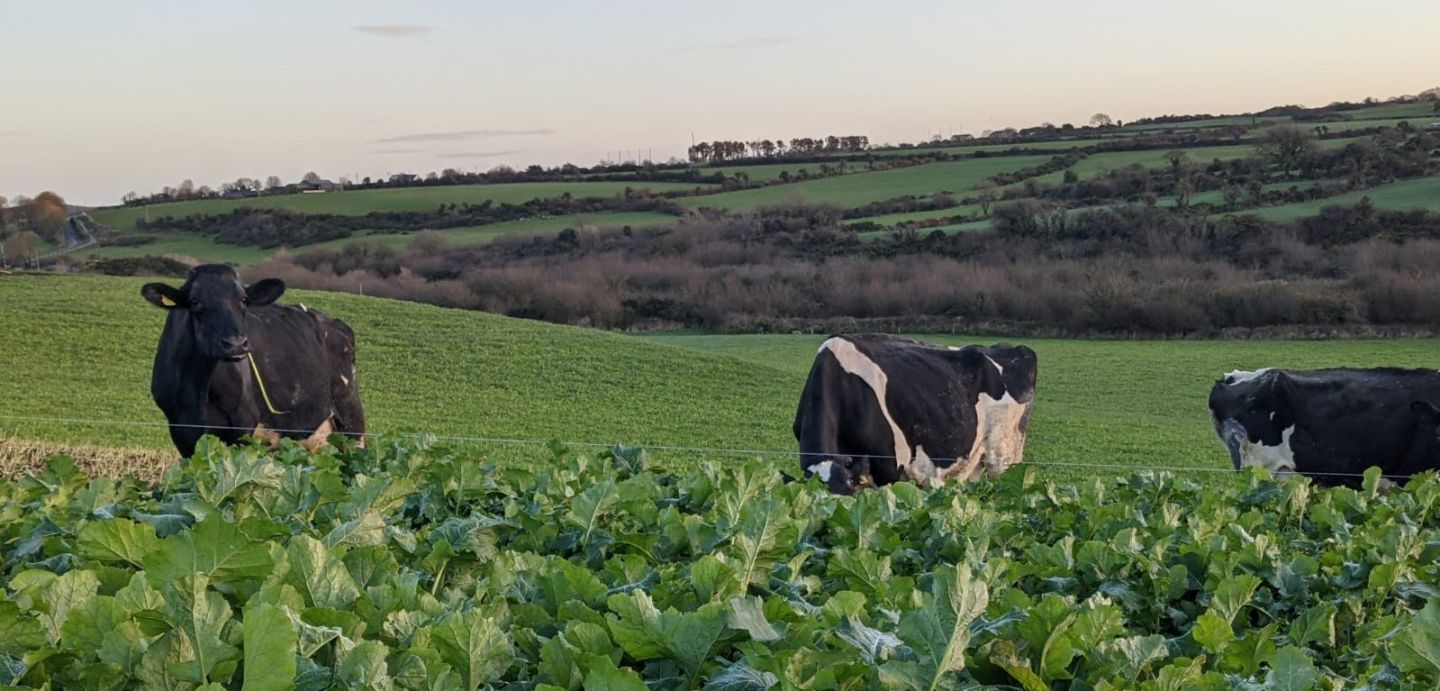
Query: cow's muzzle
[1233, 435]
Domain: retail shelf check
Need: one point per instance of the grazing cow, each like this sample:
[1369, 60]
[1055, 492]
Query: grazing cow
[877, 409]
[231, 363]
[1329, 424]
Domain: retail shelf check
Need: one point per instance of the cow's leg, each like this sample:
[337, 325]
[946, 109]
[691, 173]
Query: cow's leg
[266, 435]
[319, 438]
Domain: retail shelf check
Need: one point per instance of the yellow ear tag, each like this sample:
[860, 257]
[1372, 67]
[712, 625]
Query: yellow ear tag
[166, 301]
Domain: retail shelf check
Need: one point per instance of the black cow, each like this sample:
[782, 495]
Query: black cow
[232, 363]
[1329, 424]
[877, 409]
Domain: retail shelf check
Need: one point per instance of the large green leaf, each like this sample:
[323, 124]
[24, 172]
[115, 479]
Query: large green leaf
[213, 547]
[71, 591]
[476, 645]
[318, 575]
[1291, 670]
[19, 632]
[117, 540]
[199, 615]
[270, 648]
[1416, 648]
[940, 630]
[748, 614]
[646, 633]
[603, 675]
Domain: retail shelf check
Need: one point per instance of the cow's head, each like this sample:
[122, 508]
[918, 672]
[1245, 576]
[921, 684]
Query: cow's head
[842, 474]
[215, 301]
[1253, 420]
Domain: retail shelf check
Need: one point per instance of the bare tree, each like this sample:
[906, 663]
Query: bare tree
[186, 189]
[21, 245]
[987, 192]
[1177, 160]
[1101, 120]
[311, 176]
[273, 182]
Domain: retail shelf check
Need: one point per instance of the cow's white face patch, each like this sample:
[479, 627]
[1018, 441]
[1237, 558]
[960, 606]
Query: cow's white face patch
[997, 365]
[857, 363]
[1279, 459]
[822, 470]
[1239, 376]
[999, 440]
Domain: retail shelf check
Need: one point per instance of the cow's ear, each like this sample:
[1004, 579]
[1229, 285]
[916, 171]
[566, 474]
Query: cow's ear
[161, 295]
[1429, 414]
[264, 292]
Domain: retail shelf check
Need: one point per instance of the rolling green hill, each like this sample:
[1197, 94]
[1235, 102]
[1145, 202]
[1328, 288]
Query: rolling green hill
[82, 347]
[853, 190]
[360, 202]
[206, 249]
[1419, 193]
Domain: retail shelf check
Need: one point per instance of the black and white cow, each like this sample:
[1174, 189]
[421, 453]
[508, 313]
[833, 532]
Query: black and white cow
[877, 409]
[1329, 424]
[232, 363]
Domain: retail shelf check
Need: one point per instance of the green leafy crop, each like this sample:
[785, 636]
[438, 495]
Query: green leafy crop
[410, 566]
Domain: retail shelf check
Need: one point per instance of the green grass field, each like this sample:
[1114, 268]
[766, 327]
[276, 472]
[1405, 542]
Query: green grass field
[956, 177]
[360, 202]
[205, 249]
[1419, 193]
[81, 347]
[1387, 111]
[1134, 403]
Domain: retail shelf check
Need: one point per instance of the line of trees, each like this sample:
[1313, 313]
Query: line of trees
[728, 150]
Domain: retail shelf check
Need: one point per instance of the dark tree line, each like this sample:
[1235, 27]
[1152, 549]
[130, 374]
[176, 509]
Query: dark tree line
[729, 150]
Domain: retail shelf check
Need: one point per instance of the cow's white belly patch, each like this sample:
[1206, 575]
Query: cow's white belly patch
[857, 363]
[1279, 459]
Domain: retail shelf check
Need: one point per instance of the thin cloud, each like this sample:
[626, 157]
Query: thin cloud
[461, 135]
[9, 133]
[483, 154]
[393, 30]
[747, 43]
[398, 151]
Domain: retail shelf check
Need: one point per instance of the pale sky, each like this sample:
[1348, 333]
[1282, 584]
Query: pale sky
[101, 98]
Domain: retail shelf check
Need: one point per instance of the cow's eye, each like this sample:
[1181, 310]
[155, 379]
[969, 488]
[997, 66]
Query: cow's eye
[197, 306]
